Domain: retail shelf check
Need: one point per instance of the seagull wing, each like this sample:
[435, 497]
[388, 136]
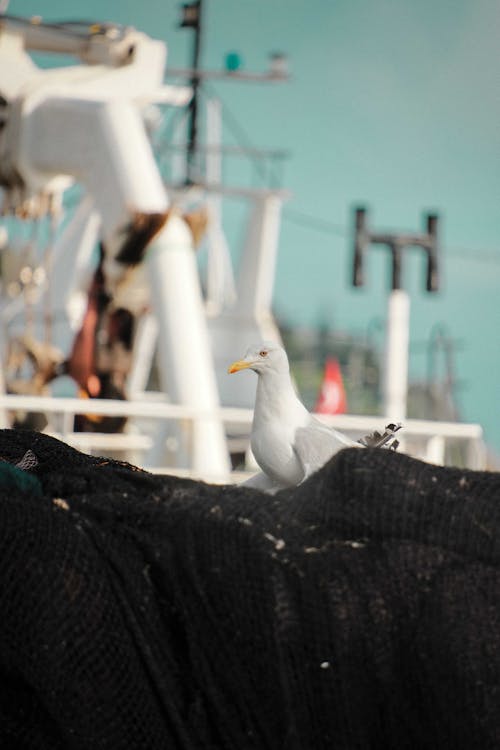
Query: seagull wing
[315, 444]
[262, 482]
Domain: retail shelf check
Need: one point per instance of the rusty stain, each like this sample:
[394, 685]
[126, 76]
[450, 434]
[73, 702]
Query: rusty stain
[139, 233]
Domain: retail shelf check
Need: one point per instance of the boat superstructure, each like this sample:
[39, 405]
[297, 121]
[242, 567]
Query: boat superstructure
[106, 270]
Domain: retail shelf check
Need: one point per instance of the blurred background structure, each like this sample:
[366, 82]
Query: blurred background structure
[309, 110]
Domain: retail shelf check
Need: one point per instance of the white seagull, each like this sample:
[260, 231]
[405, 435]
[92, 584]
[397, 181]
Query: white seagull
[288, 443]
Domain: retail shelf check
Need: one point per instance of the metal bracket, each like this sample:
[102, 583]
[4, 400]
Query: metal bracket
[427, 241]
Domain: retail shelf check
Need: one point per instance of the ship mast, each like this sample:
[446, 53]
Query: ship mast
[191, 18]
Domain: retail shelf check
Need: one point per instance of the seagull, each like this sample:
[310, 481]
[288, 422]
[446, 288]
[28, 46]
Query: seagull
[288, 443]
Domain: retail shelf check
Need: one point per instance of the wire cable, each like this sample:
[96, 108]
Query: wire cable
[318, 224]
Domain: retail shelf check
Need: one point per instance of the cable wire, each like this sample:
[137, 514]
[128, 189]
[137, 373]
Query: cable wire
[318, 224]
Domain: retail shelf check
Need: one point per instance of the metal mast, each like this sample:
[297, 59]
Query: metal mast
[191, 19]
[398, 311]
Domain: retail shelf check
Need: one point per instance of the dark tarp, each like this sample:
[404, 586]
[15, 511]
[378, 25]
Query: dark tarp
[360, 610]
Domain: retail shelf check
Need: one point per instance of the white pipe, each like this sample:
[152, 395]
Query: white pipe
[257, 268]
[396, 358]
[184, 354]
[220, 281]
[143, 353]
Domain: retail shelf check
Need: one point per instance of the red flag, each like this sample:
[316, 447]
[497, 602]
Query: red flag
[331, 398]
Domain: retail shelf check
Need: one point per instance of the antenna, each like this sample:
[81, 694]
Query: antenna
[191, 19]
[396, 242]
[398, 314]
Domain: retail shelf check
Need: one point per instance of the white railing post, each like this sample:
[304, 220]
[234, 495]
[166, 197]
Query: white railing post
[435, 450]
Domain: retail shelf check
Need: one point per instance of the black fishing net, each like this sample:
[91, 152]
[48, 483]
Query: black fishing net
[360, 610]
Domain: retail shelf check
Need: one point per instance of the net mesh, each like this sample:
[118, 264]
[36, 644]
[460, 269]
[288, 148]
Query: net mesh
[359, 610]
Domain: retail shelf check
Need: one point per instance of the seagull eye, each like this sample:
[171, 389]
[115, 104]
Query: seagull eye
[263, 353]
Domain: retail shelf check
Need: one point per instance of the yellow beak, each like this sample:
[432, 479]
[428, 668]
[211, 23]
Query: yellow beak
[240, 364]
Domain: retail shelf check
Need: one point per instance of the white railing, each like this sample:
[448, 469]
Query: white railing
[423, 439]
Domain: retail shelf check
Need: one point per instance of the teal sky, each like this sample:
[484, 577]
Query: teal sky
[394, 105]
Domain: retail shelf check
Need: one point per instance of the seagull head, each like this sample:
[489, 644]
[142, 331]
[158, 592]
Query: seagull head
[265, 358]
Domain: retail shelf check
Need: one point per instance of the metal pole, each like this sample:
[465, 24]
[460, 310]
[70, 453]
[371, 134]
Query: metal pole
[398, 312]
[221, 290]
[257, 266]
[185, 359]
[397, 352]
[196, 9]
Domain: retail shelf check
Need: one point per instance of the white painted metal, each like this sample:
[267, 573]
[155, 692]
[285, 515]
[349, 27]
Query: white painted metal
[414, 427]
[435, 450]
[221, 291]
[160, 409]
[396, 356]
[258, 263]
[250, 319]
[145, 342]
[184, 354]
[71, 271]
[104, 143]
[422, 435]
[84, 123]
